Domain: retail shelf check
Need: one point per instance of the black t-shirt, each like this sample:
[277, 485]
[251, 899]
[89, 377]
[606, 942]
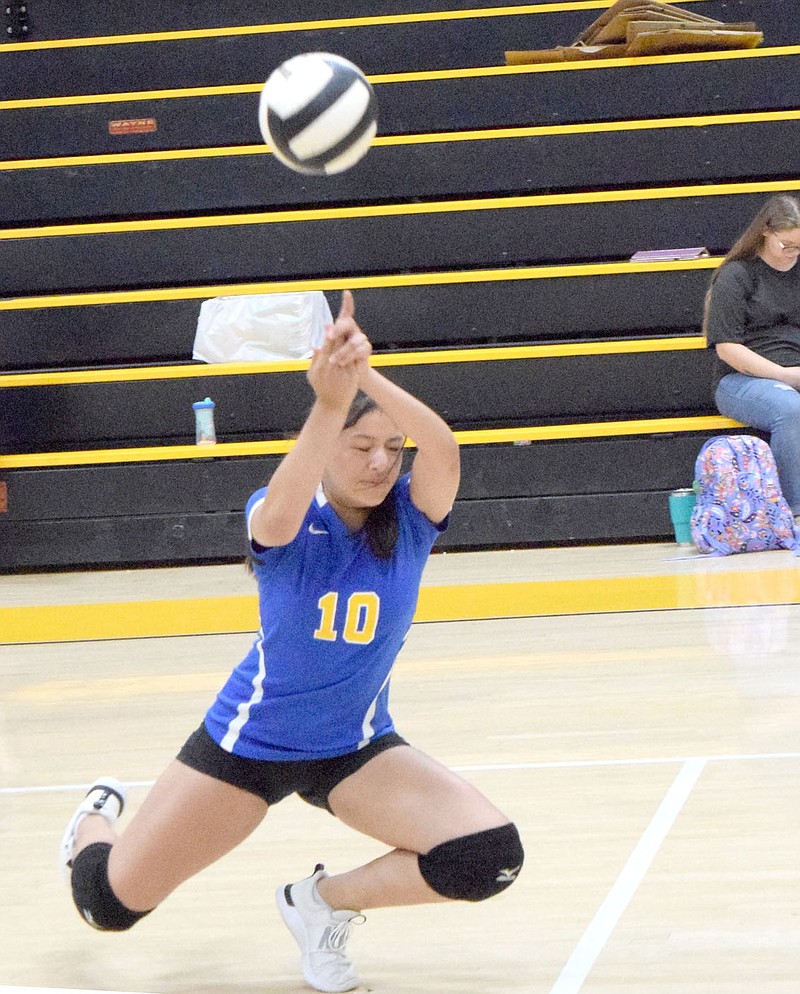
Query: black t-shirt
[755, 305]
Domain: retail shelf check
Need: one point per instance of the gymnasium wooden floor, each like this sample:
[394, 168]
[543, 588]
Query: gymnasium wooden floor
[635, 709]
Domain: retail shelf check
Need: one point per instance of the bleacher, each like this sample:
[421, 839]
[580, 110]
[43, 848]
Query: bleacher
[487, 236]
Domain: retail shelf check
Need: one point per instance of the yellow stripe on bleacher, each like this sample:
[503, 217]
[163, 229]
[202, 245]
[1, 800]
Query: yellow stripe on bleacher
[645, 60]
[318, 25]
[487, 436]
[458, 602]
[594, 429]
[359, 282]
[399, 210]
[189, 92]
[495, 134]
[494, 353]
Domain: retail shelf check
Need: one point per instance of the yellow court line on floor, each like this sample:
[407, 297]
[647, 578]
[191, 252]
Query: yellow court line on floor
[424, 76]
[221, 615]
[355, 282]
[482, 436]
[369, 211]
[435, 137]
[495, 353]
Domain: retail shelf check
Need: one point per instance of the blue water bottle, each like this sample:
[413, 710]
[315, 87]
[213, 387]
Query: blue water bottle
[204, 433]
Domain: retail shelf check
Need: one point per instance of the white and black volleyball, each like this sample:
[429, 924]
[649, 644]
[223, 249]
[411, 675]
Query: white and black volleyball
[318, 113]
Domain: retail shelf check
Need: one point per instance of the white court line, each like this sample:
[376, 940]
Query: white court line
[593, 941]
[54, 990]
[566, 764]
[602, 925]
[61, 788]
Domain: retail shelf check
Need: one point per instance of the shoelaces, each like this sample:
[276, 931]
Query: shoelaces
[336, 938]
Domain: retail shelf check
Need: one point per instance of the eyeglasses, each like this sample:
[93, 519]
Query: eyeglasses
[785, 247]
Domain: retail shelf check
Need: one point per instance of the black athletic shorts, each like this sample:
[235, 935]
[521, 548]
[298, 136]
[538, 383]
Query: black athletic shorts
[272, 780]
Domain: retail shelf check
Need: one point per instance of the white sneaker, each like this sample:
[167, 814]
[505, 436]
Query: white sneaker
[321, 932]
[106, 797]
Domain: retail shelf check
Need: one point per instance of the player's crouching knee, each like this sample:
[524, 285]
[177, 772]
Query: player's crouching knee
[92, 892]
[474, 867]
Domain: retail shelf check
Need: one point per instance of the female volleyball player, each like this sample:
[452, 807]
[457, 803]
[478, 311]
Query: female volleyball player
[338, 542]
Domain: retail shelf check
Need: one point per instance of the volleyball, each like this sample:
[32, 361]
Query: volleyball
[317, 113]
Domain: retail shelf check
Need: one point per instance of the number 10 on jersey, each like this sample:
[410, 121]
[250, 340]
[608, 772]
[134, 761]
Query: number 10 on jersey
[360, 620]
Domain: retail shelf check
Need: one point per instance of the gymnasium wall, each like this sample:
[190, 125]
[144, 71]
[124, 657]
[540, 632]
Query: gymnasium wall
[487, 236]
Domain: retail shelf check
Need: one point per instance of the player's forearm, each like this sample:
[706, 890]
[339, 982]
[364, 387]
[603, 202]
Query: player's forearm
[414, 418]
[295, 481]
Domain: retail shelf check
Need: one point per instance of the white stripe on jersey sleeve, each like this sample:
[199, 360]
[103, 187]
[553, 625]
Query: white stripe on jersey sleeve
[253, 510]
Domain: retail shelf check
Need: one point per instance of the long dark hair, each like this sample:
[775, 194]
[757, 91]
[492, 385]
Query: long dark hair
[381, 527]
[779, 213]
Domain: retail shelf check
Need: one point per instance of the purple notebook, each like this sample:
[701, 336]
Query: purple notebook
[668, 255]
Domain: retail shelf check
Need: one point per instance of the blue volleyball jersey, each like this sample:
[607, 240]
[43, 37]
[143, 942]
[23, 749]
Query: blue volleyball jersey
[333, 619]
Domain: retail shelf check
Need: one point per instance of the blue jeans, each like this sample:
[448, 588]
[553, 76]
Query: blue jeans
[774, 407]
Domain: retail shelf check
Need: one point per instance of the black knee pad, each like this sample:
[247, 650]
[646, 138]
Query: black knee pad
[474, 867]
[93, 895]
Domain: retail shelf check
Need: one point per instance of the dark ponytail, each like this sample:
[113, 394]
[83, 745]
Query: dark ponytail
[381, 527]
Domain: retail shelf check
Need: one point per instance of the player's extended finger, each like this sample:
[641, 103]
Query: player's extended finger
[347, 307]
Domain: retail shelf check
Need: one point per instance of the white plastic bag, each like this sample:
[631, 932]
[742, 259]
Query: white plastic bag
[261, 327]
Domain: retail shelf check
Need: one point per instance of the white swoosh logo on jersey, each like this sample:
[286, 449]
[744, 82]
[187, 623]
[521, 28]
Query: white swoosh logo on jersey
[317, 531]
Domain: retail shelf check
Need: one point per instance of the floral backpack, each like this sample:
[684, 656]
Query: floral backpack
[740, 506]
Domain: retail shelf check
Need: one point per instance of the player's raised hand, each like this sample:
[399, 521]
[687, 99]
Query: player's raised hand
[350, 344]
[333, 373]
